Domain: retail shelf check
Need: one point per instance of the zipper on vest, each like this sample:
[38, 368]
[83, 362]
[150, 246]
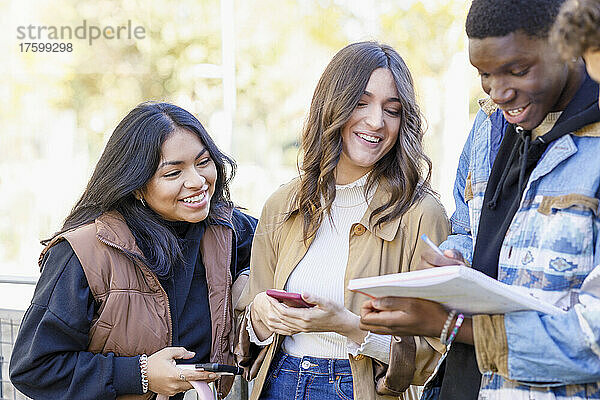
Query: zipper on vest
[226, 312]
[136, 261]
[221, 339]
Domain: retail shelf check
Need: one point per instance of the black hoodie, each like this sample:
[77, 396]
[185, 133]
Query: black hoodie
[516, 159]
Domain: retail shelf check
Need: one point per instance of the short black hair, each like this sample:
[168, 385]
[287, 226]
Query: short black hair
[496, 18]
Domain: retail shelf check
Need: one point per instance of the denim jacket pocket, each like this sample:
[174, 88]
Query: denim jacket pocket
[551, 204]
[552, 246]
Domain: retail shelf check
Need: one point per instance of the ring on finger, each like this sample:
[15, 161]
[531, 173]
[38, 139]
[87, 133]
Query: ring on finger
[182, 377]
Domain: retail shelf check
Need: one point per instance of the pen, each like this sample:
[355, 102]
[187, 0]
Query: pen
[432, 245]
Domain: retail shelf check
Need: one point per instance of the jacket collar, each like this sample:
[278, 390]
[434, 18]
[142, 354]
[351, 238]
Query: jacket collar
[386, 231]
[487, 105]
[591, 130]
[582, 111]
[225, 220]
[112, 229]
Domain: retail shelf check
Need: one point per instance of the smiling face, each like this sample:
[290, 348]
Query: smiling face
[184, 182]
[524, 76]
[372, 129]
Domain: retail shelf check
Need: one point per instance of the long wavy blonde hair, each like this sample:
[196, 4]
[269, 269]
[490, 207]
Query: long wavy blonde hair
[339, 89]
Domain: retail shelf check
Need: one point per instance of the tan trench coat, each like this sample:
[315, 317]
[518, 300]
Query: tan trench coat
[393, 247]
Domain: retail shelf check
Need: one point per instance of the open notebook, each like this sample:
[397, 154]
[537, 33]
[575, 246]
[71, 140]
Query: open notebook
[455, 287]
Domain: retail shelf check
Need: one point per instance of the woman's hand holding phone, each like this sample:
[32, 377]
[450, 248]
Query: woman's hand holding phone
[266, 316]
[290, 299]
[164, 376]
[219, 369]
[323, 316]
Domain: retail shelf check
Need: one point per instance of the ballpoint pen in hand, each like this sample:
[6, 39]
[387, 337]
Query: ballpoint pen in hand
[432, 245]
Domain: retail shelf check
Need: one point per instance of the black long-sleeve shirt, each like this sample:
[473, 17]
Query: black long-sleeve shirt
[50, 358]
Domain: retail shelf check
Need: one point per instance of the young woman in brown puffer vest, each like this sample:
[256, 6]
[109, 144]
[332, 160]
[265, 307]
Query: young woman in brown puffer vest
[141, 274]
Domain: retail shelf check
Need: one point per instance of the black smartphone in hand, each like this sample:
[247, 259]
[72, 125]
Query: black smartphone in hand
[219, 369]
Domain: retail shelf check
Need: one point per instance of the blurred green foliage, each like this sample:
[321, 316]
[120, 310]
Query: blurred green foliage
[281, 48]
[65, 106]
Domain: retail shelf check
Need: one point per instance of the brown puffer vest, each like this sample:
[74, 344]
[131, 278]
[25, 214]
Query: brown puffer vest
[134, 317]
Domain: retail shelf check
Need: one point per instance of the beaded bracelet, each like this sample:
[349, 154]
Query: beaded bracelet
[144, 372]
[444, 333]
[457, 325]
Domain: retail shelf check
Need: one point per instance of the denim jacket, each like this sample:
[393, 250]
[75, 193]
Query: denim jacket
[551, 250]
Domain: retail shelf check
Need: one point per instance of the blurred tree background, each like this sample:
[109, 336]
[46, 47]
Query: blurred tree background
[61, 108]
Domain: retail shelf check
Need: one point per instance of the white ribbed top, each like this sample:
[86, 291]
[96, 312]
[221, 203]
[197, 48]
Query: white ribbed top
[321, 272]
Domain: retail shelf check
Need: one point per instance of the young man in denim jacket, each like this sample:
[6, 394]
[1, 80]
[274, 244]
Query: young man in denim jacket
[527, 214]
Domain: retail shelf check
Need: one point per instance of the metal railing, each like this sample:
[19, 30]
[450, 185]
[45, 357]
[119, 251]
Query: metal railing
[9, 327]
[10, 320]
[18, 280]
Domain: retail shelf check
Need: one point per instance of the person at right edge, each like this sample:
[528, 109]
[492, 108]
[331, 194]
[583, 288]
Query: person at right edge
[527, 214]
[576, 33]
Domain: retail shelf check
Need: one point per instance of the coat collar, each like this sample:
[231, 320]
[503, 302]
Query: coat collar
[591, 130]
[386, 231]
[487, 105]
[112, 229]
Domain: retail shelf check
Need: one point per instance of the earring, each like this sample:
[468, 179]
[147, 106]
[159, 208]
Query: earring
[143, 202]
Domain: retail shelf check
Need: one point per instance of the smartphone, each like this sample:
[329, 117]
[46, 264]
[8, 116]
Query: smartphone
[289, 298]
[219, 369]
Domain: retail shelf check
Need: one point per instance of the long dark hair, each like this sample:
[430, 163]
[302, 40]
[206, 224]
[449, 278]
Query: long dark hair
[339, 89]
[127, 163]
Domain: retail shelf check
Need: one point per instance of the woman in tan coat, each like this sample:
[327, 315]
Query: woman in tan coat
[357, 209]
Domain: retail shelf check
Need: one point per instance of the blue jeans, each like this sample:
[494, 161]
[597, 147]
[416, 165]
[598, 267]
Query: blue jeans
[308, 378]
